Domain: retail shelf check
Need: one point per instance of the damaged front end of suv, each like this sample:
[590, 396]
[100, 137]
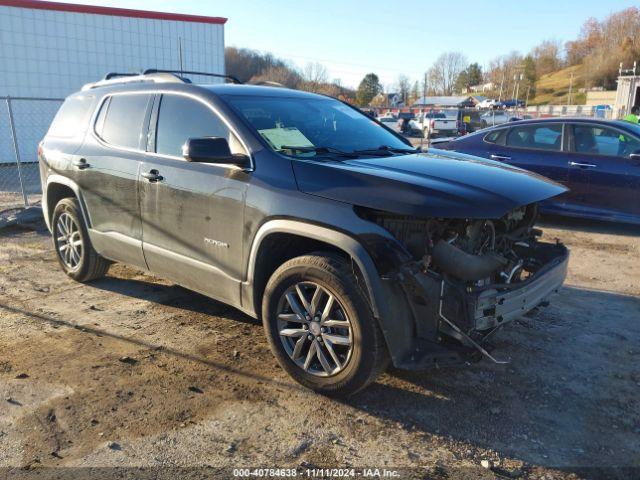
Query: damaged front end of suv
[463, 279]
[454, 242]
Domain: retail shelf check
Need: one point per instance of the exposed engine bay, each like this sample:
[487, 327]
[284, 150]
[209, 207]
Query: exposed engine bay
[469, 277]
[478, 251]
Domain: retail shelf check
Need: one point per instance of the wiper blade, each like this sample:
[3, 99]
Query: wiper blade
[385, 150]
[320, 151]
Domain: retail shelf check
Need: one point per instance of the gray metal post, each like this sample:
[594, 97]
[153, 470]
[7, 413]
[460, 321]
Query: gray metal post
[16, 149]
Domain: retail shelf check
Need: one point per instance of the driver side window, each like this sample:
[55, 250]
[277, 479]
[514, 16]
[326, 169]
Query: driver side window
[181, 118]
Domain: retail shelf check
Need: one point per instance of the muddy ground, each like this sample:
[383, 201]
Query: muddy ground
[133, 371]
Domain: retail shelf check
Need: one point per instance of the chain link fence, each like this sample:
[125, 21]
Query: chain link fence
[23, 123]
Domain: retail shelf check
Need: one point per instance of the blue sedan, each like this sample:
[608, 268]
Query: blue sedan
[598, 160]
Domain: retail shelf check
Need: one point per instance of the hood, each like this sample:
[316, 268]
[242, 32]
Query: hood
[433, 184]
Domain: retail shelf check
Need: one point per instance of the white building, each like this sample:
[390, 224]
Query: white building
[50, 50]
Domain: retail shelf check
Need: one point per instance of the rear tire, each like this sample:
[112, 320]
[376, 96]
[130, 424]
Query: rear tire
[336, 350]
[72, 245]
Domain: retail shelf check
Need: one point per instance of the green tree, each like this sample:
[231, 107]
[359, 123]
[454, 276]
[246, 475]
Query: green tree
[474, 74]
[369, 87]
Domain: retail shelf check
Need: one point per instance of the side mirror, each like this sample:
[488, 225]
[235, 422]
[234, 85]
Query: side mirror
[212, 150]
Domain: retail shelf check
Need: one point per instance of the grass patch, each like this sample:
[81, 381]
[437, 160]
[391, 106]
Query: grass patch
[553, 88]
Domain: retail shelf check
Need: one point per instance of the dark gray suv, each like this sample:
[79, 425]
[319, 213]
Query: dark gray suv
[353, 248]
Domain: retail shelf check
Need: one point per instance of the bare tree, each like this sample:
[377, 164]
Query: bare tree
[282, 75]
[445, 70]
[547, 57]
[314, 75]
[403, 86]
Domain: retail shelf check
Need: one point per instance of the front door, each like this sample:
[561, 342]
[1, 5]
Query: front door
[192, 213]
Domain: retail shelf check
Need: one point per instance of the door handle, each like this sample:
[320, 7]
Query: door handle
[81, 164]
[499, 157]
[152, 175]
[582, 165]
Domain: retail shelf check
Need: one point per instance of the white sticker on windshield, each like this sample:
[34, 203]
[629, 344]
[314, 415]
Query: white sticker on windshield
[289, 136]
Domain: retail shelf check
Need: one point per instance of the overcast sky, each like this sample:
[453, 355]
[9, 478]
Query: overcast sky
[352, 38]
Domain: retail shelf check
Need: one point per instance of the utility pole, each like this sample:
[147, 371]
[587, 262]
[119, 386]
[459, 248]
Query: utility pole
[570, 89]
[501, 85]
[526, 102]
[518, 90]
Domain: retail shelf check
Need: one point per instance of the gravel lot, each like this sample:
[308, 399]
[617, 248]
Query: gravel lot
[134, 371]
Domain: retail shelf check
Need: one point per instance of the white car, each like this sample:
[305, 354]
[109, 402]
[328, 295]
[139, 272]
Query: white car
[487, 103]
[390, 122]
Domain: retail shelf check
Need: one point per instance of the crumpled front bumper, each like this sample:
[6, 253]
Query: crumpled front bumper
[494, 307]
[444, 310]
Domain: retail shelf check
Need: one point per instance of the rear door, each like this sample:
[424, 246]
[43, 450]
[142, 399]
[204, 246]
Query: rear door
[107, 172]
[599, 164]
[192, 213]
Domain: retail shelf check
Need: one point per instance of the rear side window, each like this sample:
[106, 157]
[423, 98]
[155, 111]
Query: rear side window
[121, 119]
[540, 137]
[72, 117]
[181, 118]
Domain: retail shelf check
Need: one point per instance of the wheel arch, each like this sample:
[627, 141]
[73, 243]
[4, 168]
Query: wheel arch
[59, 187]
[294, 238]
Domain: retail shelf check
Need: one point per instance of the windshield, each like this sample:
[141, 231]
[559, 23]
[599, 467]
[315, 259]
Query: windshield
[318, 125]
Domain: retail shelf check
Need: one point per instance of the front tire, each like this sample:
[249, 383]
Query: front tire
[320, 327]
[71, 241]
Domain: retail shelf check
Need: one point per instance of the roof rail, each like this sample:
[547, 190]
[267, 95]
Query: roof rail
[112, 75]
[180, 73]
[115, 78]
[153, 75]
[268, 83]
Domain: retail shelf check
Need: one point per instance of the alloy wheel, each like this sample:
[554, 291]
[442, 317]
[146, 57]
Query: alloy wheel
[314, 329]
[69, 241]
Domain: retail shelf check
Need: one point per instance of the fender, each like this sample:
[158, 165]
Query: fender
[344, 242]
[388, 303]
[55, 178]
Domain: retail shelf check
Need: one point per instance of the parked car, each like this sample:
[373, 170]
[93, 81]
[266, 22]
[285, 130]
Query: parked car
[512, 103]
[487, 103]
[435, 124]
[353, 249]
[597, 160]
[496, 117]
[390, 122]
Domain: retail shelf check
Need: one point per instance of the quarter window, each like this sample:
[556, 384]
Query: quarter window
[72, 117]
[540, 137]
[597, 140]
[181, 118]
[120, 121]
